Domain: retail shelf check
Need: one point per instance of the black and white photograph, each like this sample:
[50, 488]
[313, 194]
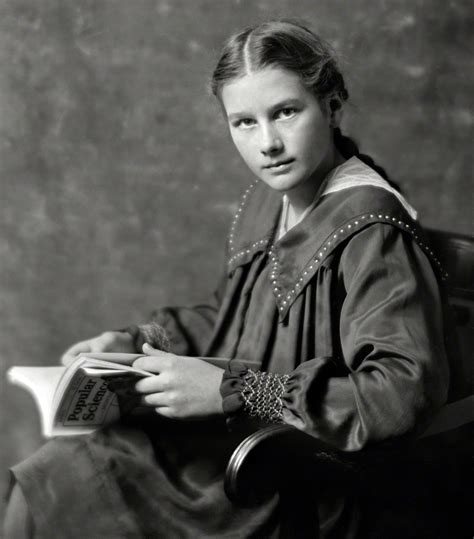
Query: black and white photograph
[237, 269]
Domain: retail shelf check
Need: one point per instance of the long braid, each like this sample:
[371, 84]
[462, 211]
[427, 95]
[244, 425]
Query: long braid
[348, 148]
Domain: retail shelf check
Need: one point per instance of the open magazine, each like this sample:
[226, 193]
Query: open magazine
[76, 399]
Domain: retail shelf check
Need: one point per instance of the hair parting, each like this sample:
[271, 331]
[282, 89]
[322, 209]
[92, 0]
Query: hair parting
[293, 46]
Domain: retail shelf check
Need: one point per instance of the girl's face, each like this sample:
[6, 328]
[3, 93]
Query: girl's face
[281, 130]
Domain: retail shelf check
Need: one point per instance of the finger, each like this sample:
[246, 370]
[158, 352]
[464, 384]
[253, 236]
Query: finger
[153, 334]
[151, 384]
[155, 400]
[155, 363]
[166, 411]
[98, 347]
[150, 351]
[111, 341]
[78, 348]
[102, 344]
[67, 359]
[71, 353]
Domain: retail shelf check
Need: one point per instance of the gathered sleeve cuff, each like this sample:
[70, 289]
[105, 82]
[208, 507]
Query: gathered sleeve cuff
[270, 397]
[231, 389]
[248, 393]
[151, 333]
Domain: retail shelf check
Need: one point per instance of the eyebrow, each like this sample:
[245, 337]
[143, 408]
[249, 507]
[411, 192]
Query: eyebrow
[291, 101]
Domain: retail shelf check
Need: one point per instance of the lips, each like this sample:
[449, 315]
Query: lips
[278, 164]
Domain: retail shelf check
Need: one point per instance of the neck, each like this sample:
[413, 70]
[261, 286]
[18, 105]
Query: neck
[303, 195]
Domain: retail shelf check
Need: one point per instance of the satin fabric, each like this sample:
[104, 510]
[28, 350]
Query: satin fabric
[149, 478]
[361, 337]
[371, 364]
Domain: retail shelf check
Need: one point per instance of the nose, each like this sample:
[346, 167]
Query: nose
[270, 142]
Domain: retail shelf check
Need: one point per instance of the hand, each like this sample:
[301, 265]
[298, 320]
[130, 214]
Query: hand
[183, 388]
[110, 341]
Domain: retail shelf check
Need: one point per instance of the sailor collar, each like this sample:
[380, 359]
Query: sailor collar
[334, 218]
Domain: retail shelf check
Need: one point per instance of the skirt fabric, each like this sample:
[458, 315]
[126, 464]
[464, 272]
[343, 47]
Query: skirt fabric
[163, 479]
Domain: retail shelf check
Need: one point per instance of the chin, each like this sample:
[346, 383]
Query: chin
[282, 184]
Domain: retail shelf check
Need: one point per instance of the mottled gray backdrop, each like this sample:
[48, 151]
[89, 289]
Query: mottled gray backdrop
[117, 176]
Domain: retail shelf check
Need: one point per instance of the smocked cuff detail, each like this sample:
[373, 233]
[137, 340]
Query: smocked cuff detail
[255, 394]
[262, 395]
[151, 333]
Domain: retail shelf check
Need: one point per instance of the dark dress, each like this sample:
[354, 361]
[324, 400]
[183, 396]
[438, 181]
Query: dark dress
[347, 303]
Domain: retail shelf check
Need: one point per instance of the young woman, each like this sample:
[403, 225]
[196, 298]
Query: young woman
[329, 287]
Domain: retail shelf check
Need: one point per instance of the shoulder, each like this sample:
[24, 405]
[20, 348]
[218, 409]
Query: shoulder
[382, 249]
[341, 220]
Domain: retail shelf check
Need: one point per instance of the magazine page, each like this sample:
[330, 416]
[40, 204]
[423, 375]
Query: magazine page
[114, 357]
[41, 382]
[99, 367]
[128, 359]
[86, 405]
[124, 361]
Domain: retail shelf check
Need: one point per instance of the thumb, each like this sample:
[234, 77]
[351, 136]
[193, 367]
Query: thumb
[150, 351]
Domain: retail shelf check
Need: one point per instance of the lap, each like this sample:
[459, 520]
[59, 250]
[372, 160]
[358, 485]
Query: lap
[157, 480]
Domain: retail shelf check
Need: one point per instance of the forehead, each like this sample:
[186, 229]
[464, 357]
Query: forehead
[262, 89]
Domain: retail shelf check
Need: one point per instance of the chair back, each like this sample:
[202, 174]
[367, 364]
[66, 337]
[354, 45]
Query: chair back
[456, 252]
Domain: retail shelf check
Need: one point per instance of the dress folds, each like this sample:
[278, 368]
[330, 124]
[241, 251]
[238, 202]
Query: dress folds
[347, 303]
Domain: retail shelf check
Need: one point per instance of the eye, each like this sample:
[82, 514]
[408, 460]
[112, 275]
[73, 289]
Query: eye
[244, 123]
[286, 113]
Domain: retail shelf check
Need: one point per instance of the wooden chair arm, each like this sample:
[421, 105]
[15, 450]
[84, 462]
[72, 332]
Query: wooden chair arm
[276, 455]
[270, 458]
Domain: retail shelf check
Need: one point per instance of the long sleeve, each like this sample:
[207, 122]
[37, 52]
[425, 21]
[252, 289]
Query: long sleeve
[187, 329]
[392, 374]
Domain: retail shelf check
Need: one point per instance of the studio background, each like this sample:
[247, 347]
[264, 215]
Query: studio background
[118, 179]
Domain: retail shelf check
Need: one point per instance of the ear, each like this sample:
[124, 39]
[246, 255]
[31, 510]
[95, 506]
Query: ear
[334, 109]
